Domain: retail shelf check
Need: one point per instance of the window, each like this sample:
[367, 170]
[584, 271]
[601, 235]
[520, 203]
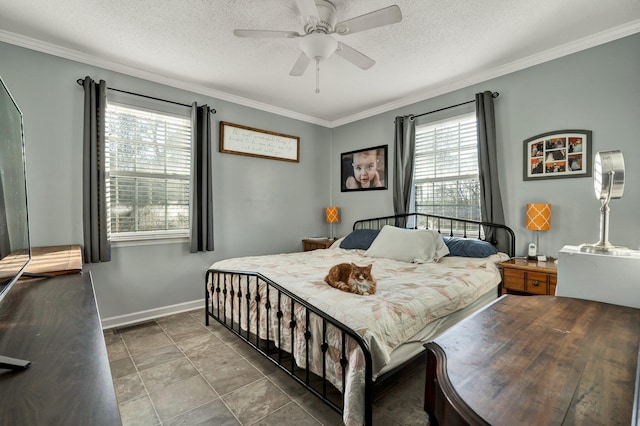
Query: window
[149, 170]
[446, 168]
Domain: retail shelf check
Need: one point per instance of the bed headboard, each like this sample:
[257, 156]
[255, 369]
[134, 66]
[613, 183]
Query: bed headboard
[449, 226]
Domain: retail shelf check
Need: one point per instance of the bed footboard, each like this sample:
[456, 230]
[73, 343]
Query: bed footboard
[303, 341]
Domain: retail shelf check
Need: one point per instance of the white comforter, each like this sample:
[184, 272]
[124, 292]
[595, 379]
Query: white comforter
[409, 296]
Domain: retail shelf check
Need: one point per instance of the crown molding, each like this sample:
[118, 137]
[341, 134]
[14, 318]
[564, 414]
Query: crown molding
[557, 52]
[597, 39]
[74, 55]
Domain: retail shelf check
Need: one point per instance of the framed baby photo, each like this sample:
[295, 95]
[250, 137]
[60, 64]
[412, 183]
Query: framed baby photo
[558, 154]
[364, 169]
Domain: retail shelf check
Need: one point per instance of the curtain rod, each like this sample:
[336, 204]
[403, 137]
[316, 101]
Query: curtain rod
[494, 95]
[212, 110]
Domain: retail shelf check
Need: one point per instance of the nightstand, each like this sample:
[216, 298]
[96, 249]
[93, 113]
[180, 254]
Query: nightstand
[522, 276]
[316, 244]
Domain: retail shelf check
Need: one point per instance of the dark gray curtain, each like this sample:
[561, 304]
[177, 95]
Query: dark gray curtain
[202, 197]
[490, 198]
[97, 244]
[405, 152]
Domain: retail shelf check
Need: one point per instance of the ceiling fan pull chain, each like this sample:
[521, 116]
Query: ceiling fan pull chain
[317, 75]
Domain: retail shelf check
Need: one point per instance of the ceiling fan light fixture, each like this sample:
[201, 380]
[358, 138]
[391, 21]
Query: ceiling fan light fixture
[318, 46]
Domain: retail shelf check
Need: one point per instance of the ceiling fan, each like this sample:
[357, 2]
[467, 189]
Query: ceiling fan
[320, 20]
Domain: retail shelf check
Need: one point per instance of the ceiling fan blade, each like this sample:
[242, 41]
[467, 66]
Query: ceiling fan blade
[356, 58]
[300, 66]
[265, 34]
[378, 18]
[308, 11]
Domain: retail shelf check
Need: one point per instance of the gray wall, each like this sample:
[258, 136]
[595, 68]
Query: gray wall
[261, 206]
[597, 89]
[266, 206]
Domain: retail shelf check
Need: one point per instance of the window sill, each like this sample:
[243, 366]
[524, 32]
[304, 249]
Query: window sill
[147, 241]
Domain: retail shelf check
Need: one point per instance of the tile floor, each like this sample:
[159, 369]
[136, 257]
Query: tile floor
[176, 371]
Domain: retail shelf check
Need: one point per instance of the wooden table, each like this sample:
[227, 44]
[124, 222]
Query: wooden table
[54, 324]
[55, 260]
[536, 361]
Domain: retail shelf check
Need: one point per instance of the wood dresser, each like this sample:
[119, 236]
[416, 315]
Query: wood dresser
[54, 323]
[536, 361]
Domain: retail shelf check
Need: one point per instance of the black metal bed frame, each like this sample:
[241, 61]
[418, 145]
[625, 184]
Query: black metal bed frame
[217, 307]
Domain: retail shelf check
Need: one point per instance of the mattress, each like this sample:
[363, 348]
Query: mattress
[415, 344]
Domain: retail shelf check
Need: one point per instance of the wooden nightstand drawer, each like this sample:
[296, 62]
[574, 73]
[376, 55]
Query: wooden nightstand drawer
[513, 279]
[536, 283]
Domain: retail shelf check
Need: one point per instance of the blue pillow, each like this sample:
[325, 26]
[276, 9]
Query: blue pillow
[469, 247]
[359, 239]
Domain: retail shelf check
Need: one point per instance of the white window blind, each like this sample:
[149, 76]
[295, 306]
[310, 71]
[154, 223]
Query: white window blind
[446, 168]
[149, 172]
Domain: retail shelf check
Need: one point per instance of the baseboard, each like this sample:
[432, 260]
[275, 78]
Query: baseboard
[147, 315]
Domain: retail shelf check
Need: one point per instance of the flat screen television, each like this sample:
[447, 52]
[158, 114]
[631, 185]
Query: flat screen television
[15, 246]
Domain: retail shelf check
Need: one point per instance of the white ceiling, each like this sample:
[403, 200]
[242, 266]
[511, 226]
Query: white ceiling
[438, 46]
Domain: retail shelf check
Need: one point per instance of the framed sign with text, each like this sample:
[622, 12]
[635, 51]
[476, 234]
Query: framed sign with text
[243, 140]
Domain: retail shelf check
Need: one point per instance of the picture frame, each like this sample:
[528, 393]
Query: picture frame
[244, 140]
[364, 169]
[558, 154]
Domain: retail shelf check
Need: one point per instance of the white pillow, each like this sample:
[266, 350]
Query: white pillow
[408, 245]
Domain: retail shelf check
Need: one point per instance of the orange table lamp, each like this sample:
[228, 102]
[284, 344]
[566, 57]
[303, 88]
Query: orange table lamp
[538, 219]
[332, 217]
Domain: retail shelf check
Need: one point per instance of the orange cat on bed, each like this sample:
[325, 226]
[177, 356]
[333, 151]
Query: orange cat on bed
[352, 278]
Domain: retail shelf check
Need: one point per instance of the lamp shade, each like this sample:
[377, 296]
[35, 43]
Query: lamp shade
[539, 217]
[332, 214]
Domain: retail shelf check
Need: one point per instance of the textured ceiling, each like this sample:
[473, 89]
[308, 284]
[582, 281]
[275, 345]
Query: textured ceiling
[437, 47]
